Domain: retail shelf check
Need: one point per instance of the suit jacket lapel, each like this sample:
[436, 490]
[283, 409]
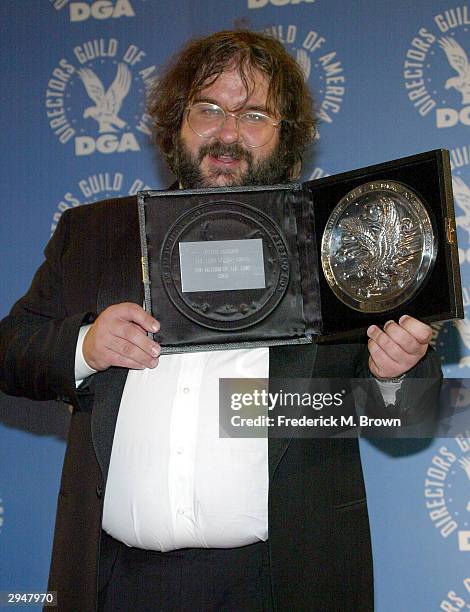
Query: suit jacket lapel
[120, 282]
[122, 278]
[294, 361]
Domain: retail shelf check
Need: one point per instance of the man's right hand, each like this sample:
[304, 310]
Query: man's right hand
[118, 337]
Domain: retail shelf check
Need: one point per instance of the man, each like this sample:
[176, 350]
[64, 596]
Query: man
[192, 522]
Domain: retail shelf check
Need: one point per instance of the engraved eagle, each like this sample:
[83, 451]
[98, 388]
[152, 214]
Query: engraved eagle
[380, 244]
[458, 60]
[462, 197]
[108, 103]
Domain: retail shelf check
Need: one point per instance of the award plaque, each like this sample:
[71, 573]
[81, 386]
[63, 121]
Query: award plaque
[378, 246]
[222, 268]
[297, 263]
[202, 264]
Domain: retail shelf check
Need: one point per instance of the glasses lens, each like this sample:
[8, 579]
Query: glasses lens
[256, 129]
[206, 119]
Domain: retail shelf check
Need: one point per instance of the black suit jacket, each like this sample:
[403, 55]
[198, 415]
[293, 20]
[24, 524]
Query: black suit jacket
[318, 526]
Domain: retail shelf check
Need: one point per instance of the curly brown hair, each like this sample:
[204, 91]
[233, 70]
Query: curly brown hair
[202, 60]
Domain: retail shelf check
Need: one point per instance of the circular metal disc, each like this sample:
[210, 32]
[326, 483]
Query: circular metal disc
[378, 246]
[230, 309]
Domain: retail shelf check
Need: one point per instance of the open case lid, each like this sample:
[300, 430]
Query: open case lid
[439, 296]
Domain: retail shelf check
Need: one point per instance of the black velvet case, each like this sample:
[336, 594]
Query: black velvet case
[296, 305]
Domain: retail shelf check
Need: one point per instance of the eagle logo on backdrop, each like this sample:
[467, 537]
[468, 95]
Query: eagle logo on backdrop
[458, 60]
[113, 77]
[107, 103]
[436, 68]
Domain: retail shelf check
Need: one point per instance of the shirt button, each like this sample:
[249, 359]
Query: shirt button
[179, 451]
[186, 390]
[180, 511]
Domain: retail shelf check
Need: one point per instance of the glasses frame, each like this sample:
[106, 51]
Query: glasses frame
[237, 117]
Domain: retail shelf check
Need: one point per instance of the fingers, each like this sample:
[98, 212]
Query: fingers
[383, 366]
[409, 335]
[128, 311]
[130, 342]
[398, 347]
[118, 359]
[119, 338]
[129, 334]
[418, 329]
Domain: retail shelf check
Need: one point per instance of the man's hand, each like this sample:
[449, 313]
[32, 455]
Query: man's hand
[397, 348]
[118, 337]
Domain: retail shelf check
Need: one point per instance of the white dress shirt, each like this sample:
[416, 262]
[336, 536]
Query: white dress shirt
[173, 482]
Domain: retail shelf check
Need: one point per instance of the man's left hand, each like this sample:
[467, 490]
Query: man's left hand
[398, 347]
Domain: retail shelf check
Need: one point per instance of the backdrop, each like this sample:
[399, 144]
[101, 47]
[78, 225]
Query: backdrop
[390, 79]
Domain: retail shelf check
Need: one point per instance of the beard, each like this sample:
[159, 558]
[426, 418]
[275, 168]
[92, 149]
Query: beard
[268, 171]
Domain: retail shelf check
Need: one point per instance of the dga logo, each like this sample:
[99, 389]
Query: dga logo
[96, 99]
[320, 65]
[447, 490]
[97, 187]
[437, 69]
[457, 600]
[95, 9]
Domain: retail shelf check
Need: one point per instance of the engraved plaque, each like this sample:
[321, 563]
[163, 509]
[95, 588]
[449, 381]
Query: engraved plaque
[223, 227]
[222, 265]
[378, 246]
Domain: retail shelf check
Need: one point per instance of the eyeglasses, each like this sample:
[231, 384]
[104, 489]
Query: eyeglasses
[255, 128]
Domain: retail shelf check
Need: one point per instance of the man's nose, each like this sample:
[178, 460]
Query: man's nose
[229, 131]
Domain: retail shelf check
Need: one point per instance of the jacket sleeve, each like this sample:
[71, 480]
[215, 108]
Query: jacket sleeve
[38, 338]
[417, 399]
